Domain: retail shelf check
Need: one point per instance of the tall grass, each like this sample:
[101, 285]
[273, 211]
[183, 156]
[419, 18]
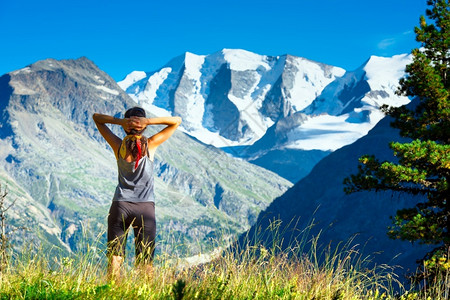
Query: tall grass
[243, 271]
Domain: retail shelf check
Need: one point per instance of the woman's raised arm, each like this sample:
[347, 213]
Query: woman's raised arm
[160, 137]
[113, 140]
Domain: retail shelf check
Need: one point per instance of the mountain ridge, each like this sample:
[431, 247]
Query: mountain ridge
[51, 149]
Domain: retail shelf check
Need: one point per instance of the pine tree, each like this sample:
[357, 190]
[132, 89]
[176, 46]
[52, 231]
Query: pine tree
[423, 166]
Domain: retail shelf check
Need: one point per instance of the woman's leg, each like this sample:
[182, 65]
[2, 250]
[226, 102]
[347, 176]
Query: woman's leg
[145, 234]
[118, 224]
[114, 267]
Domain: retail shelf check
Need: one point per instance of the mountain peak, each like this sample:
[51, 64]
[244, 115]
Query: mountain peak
[242, 60]
[237, 51]
[383, 62]
[385, 72]
[82, 64]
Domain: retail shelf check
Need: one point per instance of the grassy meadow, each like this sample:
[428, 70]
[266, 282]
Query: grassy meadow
[249, 272]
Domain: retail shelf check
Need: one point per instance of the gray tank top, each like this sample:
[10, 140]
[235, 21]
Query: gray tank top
[135, 185]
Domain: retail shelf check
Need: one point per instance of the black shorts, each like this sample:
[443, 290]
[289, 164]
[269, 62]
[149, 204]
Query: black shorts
[139, 215]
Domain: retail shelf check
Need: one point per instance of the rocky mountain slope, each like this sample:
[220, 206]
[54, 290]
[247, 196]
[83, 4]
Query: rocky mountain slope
[263, 108]
[63, 174]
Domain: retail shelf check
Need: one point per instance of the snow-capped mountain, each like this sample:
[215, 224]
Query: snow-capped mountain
[349, 107]
[267, 104]
[233, 96]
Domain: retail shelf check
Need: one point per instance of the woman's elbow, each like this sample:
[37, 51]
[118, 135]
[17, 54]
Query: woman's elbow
[97, 118]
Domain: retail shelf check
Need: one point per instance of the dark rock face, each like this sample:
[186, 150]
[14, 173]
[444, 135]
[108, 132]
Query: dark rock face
[274, 105]
[224, 112]
[177, 99]
[351, 96]
[218, 195]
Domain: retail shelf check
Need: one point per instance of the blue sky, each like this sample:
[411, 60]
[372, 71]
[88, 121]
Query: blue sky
[122, 36]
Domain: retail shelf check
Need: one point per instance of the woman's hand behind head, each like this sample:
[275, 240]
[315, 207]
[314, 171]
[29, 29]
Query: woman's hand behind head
[126, 125]
[134, 125]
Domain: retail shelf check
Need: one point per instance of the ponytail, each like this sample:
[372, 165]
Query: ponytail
[135, 144]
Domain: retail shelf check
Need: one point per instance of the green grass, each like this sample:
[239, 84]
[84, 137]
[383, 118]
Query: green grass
[249, 272]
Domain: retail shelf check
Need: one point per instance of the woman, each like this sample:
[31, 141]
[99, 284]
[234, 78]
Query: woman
[133, 202]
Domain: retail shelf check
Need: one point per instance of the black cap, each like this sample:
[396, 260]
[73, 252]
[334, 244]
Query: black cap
[135, 112]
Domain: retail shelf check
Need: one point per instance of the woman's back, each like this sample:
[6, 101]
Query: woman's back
[135, 176]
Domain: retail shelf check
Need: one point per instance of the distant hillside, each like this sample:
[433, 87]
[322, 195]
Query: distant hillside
[63, 173]
[361, 218]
